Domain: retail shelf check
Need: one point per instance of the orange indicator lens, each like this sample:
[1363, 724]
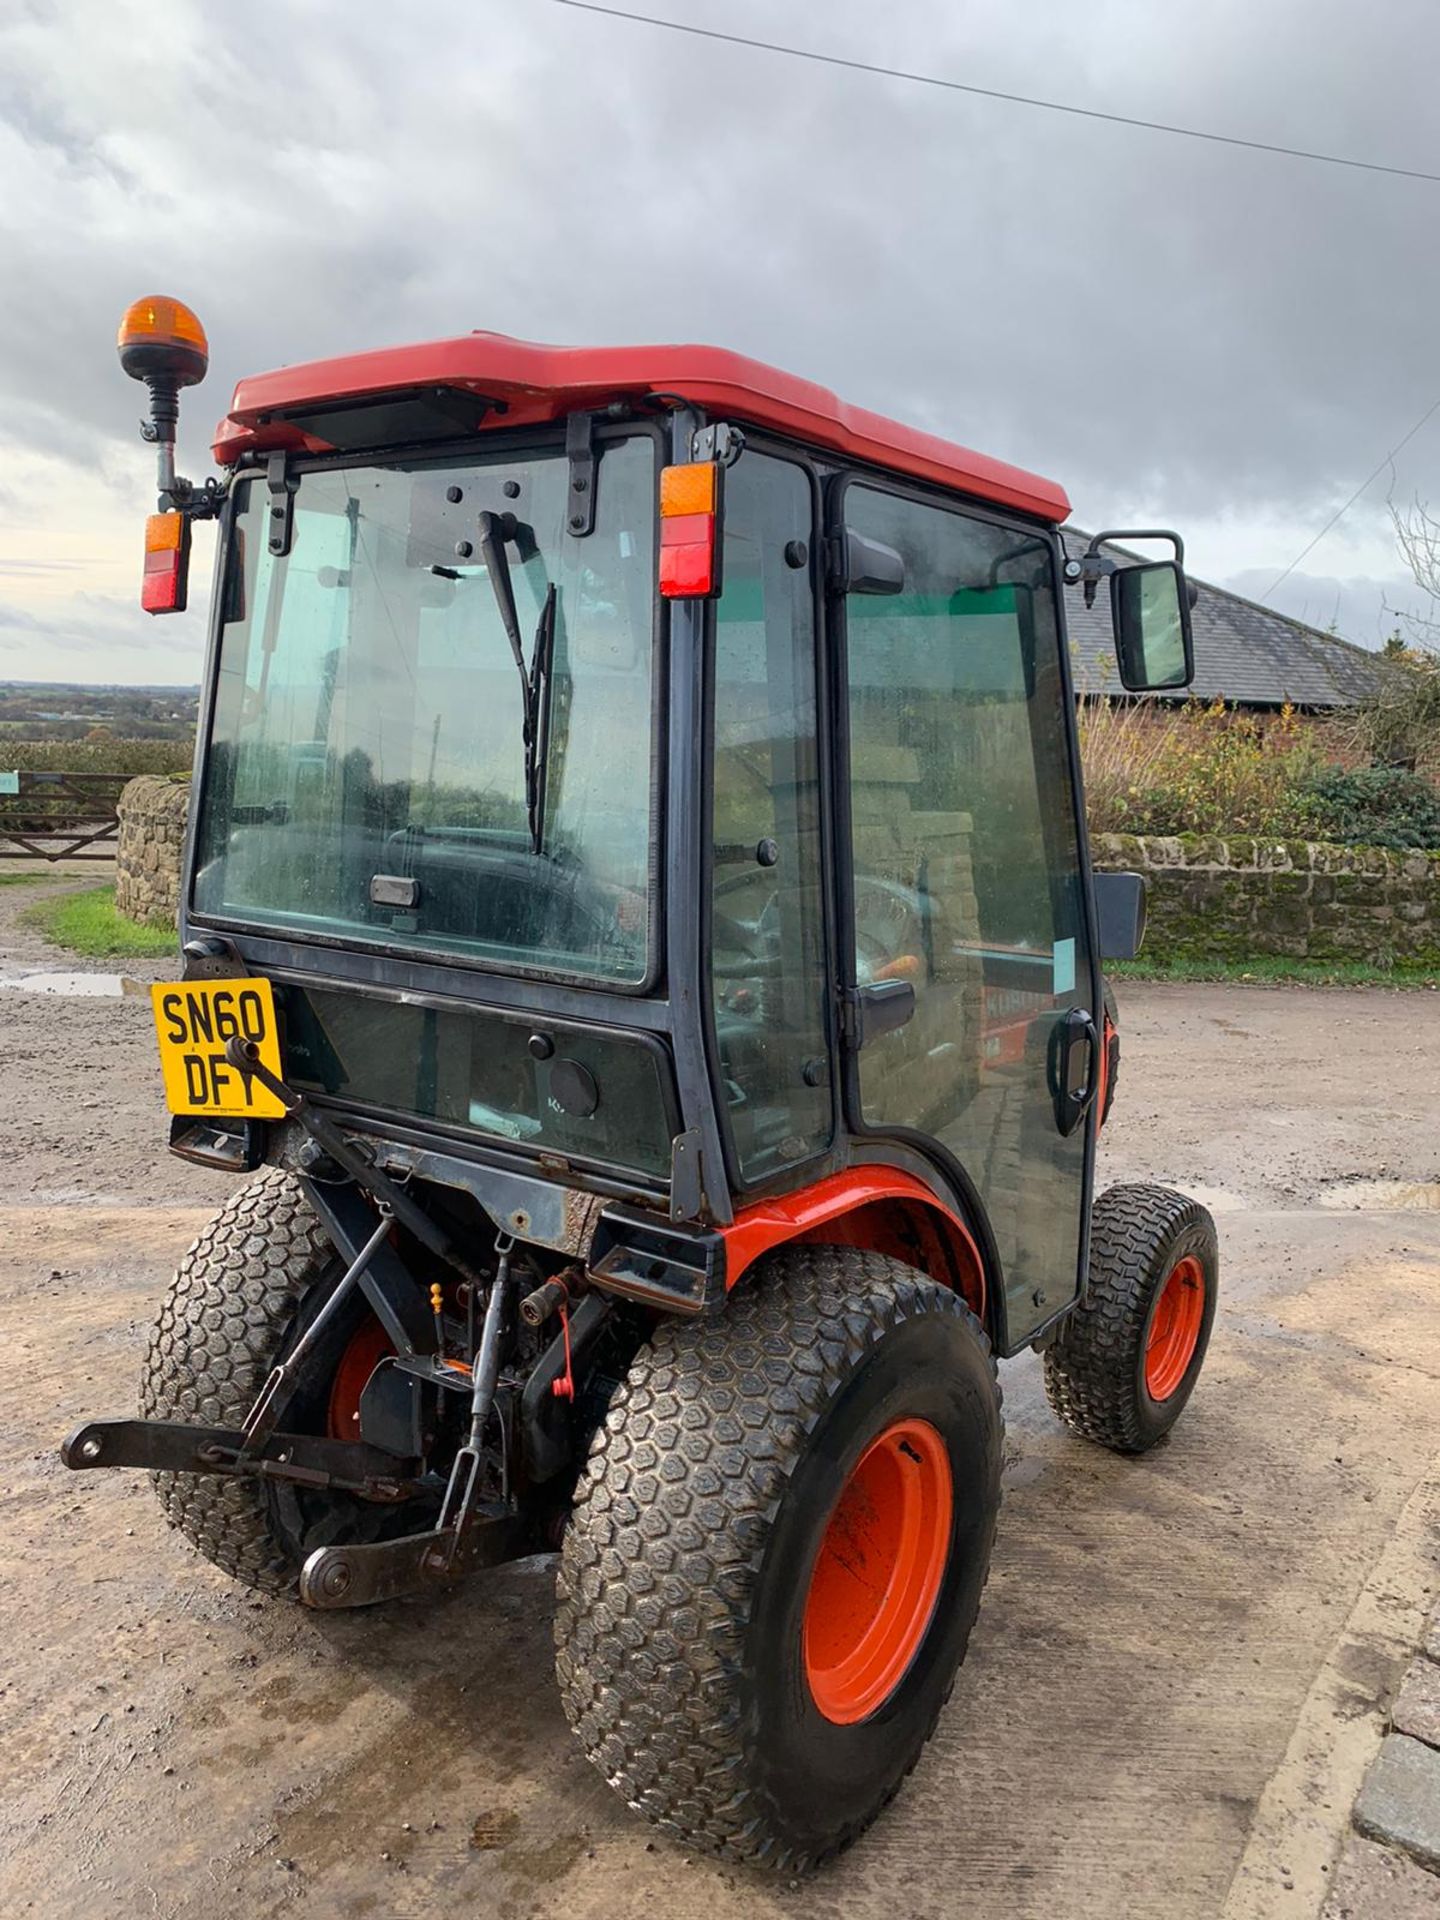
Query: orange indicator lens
[685, 490]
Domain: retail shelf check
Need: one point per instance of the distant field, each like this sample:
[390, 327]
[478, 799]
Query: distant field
[85, 722]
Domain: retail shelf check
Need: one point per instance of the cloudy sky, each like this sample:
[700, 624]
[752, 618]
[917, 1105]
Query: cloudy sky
[1195, 335]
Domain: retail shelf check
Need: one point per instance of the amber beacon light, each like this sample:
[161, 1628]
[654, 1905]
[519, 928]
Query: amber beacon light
[162, 343]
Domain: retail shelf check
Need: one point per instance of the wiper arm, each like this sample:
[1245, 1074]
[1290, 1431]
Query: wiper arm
[495, 529]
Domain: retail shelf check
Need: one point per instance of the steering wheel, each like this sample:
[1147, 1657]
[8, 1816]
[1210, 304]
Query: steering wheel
[892, 938]
[892, 933]
[756, 949]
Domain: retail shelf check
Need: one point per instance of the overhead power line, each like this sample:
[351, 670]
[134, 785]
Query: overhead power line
[1340, 512]
[996, 93]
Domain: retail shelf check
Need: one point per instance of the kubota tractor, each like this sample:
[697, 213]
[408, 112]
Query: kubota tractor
[643, 968]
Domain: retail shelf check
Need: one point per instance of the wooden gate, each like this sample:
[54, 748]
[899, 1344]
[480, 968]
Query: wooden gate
[59, 816]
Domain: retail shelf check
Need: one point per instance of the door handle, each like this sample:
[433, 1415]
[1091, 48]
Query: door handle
[879, 1008]
[1074, 1058]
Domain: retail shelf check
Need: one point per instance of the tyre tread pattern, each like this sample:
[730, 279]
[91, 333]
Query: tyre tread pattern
[671, 1520]
[213, 1345]
[1090, 1370]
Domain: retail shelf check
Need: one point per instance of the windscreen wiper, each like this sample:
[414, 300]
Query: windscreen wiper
[537, 748]
[495, 530]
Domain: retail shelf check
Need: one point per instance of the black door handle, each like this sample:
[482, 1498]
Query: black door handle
[1074, 1057]
[880, 1008]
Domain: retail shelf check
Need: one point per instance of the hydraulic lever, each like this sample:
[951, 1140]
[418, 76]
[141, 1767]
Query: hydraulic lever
[263, 1417]
[244, 1056]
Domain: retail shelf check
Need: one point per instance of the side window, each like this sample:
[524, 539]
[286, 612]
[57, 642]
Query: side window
[967, 870]
[767, 946]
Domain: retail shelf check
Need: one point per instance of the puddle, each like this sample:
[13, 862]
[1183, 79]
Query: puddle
[1217, 1199]
[73, 986]
[1382, 1196]
[1023, 1472]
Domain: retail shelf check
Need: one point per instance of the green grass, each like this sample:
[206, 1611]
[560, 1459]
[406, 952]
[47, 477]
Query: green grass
[1267, 970]
[25, 879]
[87, 923]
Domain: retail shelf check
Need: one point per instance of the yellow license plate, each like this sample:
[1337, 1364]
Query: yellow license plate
[193, 1021]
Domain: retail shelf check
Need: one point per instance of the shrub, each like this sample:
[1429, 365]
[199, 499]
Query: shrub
[1400, 726]
[97, 756]
[1201, 769]
[1371, 807]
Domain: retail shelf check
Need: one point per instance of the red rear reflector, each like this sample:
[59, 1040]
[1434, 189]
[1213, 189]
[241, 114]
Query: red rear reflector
[167, 563]
[687, 556]
[690, 531]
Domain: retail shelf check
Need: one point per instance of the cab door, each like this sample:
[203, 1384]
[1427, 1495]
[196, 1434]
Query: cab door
[971, 981]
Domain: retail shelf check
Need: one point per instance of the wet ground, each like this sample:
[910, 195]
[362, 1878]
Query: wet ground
[79, 1088]
[1179, 1671]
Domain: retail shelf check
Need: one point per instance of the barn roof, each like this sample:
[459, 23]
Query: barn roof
[1245, 654]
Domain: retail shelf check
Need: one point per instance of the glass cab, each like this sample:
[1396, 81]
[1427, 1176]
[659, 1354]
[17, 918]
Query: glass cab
[690, 901]
[903, 957]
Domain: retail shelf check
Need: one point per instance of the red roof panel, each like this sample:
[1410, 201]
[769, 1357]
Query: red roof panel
[539, 383]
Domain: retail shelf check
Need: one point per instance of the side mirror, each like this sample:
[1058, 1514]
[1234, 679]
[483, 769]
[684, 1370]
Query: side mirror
[1150, 605]
[1120, 911]
[869, 566]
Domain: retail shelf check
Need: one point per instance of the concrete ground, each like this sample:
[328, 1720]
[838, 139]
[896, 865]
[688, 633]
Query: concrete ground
[1183, 1665]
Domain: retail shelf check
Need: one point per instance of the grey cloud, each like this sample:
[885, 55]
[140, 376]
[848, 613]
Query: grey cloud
[100, 637]
[1361, 607]
[1190, 329]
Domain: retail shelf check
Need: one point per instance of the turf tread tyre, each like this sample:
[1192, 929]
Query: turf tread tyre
[1093, 1369]
[217, 1337]
[673, 1514]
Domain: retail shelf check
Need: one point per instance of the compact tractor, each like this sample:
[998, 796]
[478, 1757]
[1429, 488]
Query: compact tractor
[642, 966]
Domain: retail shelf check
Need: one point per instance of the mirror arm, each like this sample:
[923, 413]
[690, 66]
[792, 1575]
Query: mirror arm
[196, 503]
[1094, 566]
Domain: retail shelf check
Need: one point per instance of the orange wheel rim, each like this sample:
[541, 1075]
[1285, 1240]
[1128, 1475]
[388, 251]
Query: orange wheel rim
[368, 1347]
[1175, 1328]
[877, 1577]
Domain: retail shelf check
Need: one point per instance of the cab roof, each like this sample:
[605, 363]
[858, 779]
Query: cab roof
[462, 385]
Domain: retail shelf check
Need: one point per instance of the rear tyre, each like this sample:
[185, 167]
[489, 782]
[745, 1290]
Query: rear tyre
[1126, 1361]
[777, 1553]
[242, 1296]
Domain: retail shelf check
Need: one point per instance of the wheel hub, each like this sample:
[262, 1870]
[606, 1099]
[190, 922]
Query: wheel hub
[1175, 1328]
[367, 1348]
[878, 1574]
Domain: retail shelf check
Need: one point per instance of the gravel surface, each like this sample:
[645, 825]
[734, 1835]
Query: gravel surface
[1123, 1738]
[83, 1118]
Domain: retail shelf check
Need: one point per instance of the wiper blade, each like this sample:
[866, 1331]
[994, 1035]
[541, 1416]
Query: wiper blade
[537, 729]
[495, 529]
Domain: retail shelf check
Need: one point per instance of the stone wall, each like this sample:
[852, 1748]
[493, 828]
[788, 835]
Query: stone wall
[1240, 897]
[1211, 898]
[152, 835]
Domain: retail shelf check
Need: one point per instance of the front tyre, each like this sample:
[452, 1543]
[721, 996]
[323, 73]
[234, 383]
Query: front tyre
[1126, 1361]
[777, 1553]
